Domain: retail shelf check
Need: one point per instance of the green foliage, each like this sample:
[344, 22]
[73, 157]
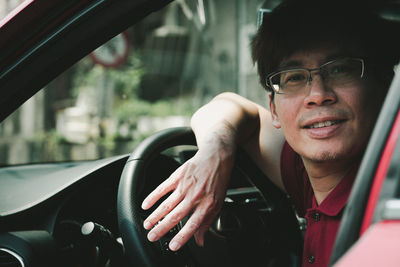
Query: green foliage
[48, 146]
[125, 79]
[128, 106]
[133, 108]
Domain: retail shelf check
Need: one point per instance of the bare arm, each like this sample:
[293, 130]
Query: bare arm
[199, 186]
[253, 126]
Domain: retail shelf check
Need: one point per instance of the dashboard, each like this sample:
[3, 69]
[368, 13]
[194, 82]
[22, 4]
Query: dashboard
[43, 208]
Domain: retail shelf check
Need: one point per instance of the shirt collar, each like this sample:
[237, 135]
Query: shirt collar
[337, 199]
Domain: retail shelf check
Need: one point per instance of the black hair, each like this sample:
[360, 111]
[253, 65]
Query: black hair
[302, 25]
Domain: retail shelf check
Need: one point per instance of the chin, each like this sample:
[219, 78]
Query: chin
[325, 156]
[337, 154]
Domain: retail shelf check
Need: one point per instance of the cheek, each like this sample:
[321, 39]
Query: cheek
[287, 111]
[364, 106]
[353, 100]
[364, 103]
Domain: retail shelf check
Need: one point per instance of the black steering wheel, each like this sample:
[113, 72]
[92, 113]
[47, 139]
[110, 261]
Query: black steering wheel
[250, 233]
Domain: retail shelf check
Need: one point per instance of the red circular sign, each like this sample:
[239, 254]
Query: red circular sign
[113, 53]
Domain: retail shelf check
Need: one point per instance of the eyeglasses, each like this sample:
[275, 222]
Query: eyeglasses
[339, 72]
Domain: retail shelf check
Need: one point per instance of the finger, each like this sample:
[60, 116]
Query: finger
[205, 226]
[163, 210]
[199, 235]
[192, 225]
[172, 219]
[165, 187]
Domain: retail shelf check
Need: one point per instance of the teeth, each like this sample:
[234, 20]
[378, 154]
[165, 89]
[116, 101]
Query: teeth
[322, 124]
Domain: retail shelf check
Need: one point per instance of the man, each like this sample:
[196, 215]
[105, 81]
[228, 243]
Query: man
[327, 72]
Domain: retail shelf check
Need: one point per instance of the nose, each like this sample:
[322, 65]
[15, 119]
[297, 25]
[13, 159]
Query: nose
[319, 93]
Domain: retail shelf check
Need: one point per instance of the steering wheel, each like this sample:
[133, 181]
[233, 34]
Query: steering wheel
[272, 237]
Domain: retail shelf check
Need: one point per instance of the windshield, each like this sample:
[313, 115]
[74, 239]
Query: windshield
[152, 76]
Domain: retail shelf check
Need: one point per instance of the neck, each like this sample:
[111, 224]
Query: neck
[324, 177]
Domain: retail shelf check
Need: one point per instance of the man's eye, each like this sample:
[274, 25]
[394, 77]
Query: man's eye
[340, 69]
[293, 78]
[343, 69]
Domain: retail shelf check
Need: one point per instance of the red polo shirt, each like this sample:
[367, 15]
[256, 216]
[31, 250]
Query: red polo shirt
[323, 220]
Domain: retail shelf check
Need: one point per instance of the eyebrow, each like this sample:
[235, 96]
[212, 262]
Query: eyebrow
[299, 64]
[290, 64]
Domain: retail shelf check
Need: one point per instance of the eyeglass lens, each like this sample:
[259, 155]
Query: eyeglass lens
[334, 73]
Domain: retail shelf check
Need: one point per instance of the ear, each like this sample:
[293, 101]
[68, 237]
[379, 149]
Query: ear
[274, 115]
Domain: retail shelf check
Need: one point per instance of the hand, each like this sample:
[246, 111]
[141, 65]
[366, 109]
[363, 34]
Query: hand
[198, 187]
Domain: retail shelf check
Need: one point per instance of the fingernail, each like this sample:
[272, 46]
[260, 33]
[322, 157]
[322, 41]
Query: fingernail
[174, 246]
[147, 225]
[144, 205]
[152, 237]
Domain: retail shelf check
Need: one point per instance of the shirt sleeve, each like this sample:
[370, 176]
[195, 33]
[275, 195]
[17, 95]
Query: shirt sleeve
[294, 177]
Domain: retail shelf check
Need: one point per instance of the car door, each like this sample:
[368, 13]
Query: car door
[369, 234]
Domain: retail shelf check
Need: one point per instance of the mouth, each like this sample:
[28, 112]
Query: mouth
[322, 124]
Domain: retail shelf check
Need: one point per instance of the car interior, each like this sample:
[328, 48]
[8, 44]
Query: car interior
[72, 179]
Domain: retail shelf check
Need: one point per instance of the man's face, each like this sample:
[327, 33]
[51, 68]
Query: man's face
[322, 123]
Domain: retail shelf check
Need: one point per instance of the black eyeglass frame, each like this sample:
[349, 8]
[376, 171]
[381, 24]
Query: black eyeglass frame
[277, 91]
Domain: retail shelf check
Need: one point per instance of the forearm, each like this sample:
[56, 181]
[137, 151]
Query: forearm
[228, 118]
